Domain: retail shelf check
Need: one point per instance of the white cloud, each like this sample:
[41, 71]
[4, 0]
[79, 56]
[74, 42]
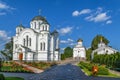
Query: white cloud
[65, 30]
[63, 41]
[3, 36]
[101, 17]
[72, 44]
[109, 22]
[67, 41]
[70, 40]
[97, 15]
[2, 13]
[75, 13]
[98, 18]
[5, 8]
[84, 11]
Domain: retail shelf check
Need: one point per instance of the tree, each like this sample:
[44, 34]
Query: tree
[96, 40]
[68, 52]
[88, 54]
[8, 49]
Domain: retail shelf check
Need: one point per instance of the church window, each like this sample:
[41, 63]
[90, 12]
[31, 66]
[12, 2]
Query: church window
[35, 25]
[24, 42]
[43, 27]
[46, 27]
[41, 46]
[27, 40]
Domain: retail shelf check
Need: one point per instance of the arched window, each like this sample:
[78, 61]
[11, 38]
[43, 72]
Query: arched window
[35, 25]
[44, 46]
[43, 27]
[24, 42]
[27, 40]
[41, 46]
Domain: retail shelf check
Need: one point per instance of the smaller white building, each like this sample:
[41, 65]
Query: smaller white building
[79, 51]
[103, 49]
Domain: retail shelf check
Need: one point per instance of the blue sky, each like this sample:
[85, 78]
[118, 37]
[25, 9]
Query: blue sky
[72, 18]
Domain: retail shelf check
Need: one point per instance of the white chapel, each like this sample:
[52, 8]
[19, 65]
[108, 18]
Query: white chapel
[79, 51]
[103, 49]
[36, 43]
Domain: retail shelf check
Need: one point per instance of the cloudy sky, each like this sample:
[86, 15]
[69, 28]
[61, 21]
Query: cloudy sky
[72, 18]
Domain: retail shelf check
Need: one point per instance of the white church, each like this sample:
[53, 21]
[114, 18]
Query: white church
[79, 51]
[36, 43]
[103, 49]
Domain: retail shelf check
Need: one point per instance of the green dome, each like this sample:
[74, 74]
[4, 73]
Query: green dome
[79, 40]
[39, 18]
[20, 26]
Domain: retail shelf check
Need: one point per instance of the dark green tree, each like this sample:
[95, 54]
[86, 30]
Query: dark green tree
[88, 54]
[68, 52]
[96, 40]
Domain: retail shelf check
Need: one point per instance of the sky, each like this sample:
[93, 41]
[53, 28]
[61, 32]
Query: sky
[73, 19]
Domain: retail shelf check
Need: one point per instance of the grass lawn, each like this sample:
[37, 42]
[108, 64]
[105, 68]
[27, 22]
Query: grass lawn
[89, 73]
[13, 78]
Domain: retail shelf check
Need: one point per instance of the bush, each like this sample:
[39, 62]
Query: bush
[102, 70]
[87, 65]
[2, 77]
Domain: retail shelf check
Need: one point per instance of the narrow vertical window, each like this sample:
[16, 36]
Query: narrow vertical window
[24, 42]
[41, 46]
[44, 46]
[27, 40]
[35, 25]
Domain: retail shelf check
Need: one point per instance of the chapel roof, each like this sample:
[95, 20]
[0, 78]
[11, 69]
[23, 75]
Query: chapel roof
[39, 18]
[21, 26]
[79, 40]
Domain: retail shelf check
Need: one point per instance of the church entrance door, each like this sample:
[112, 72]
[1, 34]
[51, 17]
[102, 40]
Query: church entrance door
[20, 56]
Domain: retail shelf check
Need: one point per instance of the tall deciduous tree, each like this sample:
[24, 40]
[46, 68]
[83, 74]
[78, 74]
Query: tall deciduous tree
[96, 41]
[68, 52]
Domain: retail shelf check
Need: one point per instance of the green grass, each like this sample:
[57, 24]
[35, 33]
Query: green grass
[89, 73]
[110, 75]
[13, 78]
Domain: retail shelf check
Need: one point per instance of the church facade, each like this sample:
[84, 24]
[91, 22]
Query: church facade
[36, 43]
[103, 49]
[79, 51]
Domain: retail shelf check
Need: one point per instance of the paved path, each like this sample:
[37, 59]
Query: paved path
[33, 69]
[60, 72]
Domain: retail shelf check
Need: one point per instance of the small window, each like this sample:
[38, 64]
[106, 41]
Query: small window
[24, 42]
[44, 46]
[41, 46]
[29, 41]
[35, 25]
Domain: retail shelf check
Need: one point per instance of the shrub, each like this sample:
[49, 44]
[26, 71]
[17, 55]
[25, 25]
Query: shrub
[102, 70]
[87, 65]
[2, 77]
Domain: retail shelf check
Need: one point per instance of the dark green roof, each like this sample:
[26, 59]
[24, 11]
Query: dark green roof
[79, 40]
[21, 26]
[39, 18]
